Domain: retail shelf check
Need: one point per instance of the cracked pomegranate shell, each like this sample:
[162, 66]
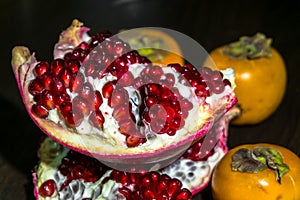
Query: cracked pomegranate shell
[101, 98]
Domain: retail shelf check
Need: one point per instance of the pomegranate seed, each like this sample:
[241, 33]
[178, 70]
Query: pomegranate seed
[46, 80]
[39, 110]
[57, 86]
[57, 65]
[73, 65]
[121, 113]
[65, 76]
[170, 79]
[73, 119]
[133, 141]
[126, 79]
[108, 88]
[81, 105]
[77, 82]
[226, 82]
[97, 100]
[155, 73]
[97, 119]
[87, 91]
[150, 101]
[173, 187]
[119, 97]
[41, 68]
[65, 107]
[47, 99]
[184, 194]
[47, 188]
[35, 87]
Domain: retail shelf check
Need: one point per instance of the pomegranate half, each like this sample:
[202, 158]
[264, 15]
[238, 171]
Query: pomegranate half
[101, 98]
[62, 173]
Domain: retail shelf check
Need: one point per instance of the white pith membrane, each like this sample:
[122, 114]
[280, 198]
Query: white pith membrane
[109, 142]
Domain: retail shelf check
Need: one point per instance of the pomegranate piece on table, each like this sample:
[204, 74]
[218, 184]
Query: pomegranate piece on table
[100, 97]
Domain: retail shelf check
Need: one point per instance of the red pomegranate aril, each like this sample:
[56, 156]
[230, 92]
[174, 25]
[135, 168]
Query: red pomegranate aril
[65, 76]
[174, 187]
[126, 79]
[186, 105]
[133, 141]
[126, 126]
[170, 79]
[176, 123]
[216, 76]
[87, 91]
[57, 85]
[97, 100]
[155, 73]
[73, 65]
[119, 97]
[202, 91]
[184, 194]
[218, 88]
[41, 68]
[170, 114]
[47, 99]
[153, 89]
[73, 119]
[77, 172]
[82, 105]
[65, 107]
[226, 82]
[35, 87]
[150, 101]
[46, 80]
[97, 119]
[39, 110]
[77, 82]
[157, 125]
[47, 188]
[121, 113]
[57, 65]
[108, 88]
[59, 98]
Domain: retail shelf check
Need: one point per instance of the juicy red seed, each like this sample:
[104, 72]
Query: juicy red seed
[176, 123]
[97, 119]
[68, 56]
[65, 107]
[184, 194]
[61, 97]
[218, 88]
[47, 188]
[57, 85]
[47, 99]
[170, 114]
[134, 141]
[174, 187]
[226, 82]
[216, 76]
[97, 99]
[170, 79]
[126, 79]
[186, 105]
[57, 65]
[121, 113]
[81, 105]
[77, 82]
[150, 101]
[74, 119]
[65, 76]
[155, 73]
[119, 97]
[153, 89]
[73, 65]
[41, 68]
[206, 72]
[39, 110]
[108, 88]
[87, 91]
[77, 172]
[46, 80]
[126, 126]
[35, 87]
[202, 91]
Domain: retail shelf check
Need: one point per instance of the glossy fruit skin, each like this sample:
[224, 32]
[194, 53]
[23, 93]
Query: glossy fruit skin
[231, 185]
[261, 84]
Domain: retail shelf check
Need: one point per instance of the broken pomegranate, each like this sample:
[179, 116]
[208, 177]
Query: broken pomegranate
[101, 98]
[62, 173]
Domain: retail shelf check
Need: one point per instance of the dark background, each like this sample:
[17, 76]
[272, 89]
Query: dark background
[37, 24]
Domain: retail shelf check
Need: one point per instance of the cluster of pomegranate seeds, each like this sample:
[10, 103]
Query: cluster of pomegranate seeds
[149, 186]
[204, 80]
[78, 166]
[52, 83]
[197, 153]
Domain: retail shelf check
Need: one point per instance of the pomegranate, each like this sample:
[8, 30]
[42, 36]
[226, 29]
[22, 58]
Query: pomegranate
[62, 173]
[101, 98]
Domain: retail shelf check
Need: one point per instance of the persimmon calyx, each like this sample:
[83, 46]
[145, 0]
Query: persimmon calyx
[258, 159]
[247, 47]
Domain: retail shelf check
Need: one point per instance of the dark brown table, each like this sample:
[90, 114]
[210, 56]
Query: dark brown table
[37, 24]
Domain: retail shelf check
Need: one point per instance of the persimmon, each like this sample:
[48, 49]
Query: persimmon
[260, 76]
[164, 48]
[257, 171]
